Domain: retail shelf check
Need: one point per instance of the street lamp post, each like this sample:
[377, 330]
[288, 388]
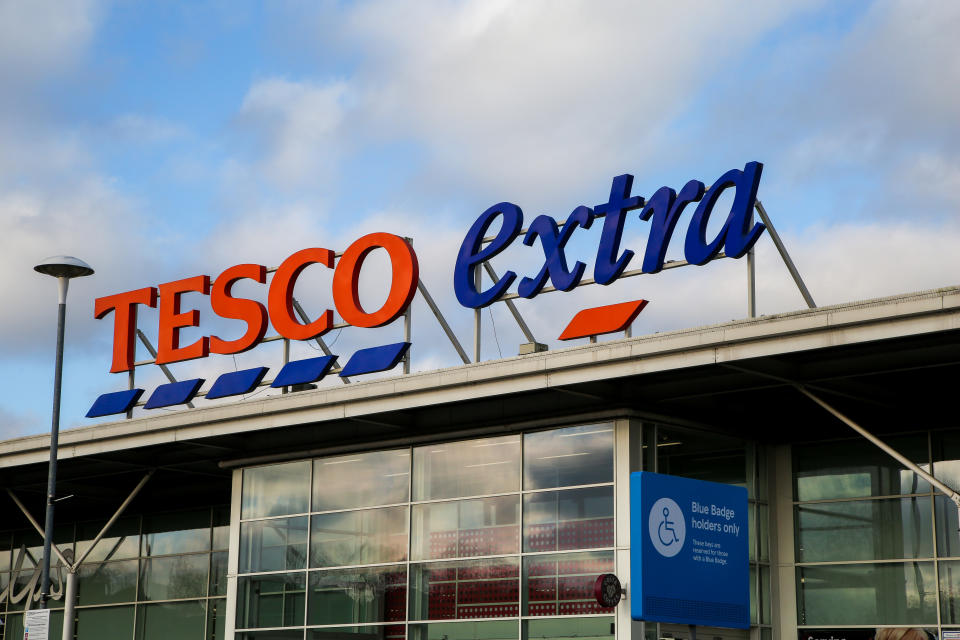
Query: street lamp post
[62, 268]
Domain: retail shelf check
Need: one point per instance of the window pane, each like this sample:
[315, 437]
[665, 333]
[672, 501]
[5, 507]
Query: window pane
[379, 632]
[494, 630]
[864, 530]
[174, 577]
[107, 582]
[868, 594]
[950, 592]
[221, 528]
[6, 557]
[345, 596]
[571, 456]
[361, 480]
[465, 589]
[464, 528]
[857, 469]
[171, 620]
[122, 541]
[571, 519]
[563, 584]
[271, 635]
[276, 490]
[275, 600]
[370, 536]
[171, 533]
[273, 545]
[948, 542]
[470, 468]
[218, 573]
[105, 623]
[580, 628]
[216, 618]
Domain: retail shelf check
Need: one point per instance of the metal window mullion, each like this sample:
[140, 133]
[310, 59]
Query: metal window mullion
[521, 591]
[406, 605]
[306, 560]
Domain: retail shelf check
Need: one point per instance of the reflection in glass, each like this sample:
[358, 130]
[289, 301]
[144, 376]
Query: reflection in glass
[218, 573]
[361, 480]
[493, 630]
[950, 591]
[465, 589]
[174, 577]
[170, 533]
[948, 543]
[867, 594]
[6, 556]
[273, 634]
[568, 457]
[122, 541]
[273, 545]
[170, 620]
[107, 582]
[346, 596]
[569, 519]
[864, 530]
[370, 536]
[580, 628]
[105, 623]
[378, 632]
[221, 528]
[276, 490]
[703, 456]
[563, 584]
[275, 600]
[216, 618]
[857, 469]
[471, 468]
[465, 528]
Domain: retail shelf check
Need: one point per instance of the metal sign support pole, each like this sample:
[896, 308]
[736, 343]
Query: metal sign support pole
[422, 288]
[478, 280]
[153, 353]
[792, 268]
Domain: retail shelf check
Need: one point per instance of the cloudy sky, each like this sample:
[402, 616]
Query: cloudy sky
[160, 141]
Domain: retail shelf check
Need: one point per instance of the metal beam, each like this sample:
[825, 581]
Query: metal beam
[513, 308]
[114, 518]
[792, 268]
[153, 352]
[323, 345]
[36, 525]
[422, 288]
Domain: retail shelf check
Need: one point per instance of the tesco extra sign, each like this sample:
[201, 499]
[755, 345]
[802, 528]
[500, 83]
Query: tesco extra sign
[663, 209]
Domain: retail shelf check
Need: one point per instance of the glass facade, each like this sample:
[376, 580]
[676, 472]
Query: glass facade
[152, 577]
[874, 543]
[486, 538]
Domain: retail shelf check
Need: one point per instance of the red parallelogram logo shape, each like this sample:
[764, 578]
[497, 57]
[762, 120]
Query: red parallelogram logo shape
[599, 320]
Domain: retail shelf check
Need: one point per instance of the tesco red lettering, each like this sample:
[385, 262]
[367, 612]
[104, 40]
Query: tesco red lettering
[280, 309]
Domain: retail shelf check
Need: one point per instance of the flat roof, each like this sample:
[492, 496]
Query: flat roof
[387, 408]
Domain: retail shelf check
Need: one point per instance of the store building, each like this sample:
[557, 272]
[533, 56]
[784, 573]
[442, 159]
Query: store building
[482, 501]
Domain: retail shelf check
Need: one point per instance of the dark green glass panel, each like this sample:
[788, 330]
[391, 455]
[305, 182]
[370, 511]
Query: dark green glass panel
[273, 545]
[567, 457]
[271, 635]
[105, 623]
[121, 542]
[492, 630]
[216, 618]
[373, 632]
[107, 582]
[276, 490]
[344, 596]
[218, 573]
[221, 528]
[275, 600]
[171, 620]
[890, 593]
[169, 533]
[361, 480]
[566, 628]
[174, 577]
[368, 536]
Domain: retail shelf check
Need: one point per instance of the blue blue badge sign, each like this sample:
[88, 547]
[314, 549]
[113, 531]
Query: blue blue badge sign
[689, 552]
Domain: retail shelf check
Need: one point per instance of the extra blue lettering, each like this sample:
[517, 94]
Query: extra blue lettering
[665, 207]
[609, 265]
[554, 241]
[472, 254]
[736, 233]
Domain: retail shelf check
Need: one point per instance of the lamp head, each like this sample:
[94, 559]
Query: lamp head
[64, 267]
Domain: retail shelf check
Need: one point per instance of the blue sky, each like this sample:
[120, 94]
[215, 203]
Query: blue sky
[164, 140]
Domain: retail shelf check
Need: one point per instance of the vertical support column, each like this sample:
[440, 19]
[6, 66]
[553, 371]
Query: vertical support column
[783, 579]
[478, 280]
[628, 449]
[69, 604]
[233, 556]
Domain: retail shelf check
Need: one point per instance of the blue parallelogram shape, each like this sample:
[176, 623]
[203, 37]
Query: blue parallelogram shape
[303, 371]
[167, 395]
[109, 404]
[375, 359]
[236, 383]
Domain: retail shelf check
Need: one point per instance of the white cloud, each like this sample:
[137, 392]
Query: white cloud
[139, 128]
[43, 36]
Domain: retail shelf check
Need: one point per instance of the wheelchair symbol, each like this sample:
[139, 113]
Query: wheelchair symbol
[667, 527]
[665, 530]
